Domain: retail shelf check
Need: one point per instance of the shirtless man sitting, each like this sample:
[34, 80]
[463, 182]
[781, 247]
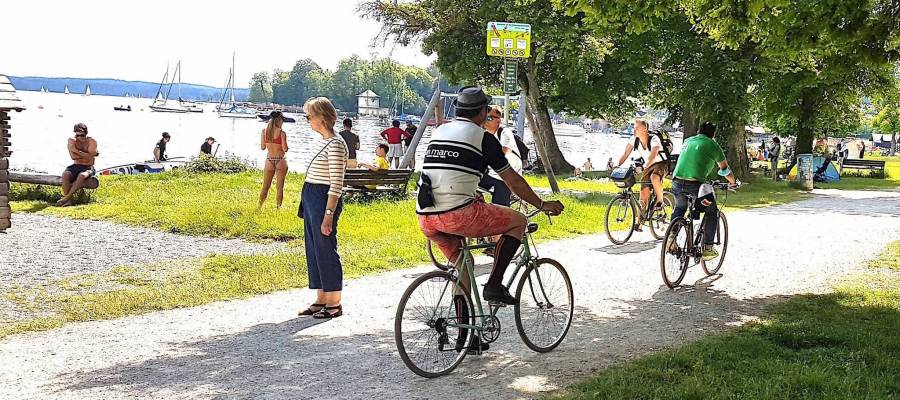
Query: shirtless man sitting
[83, 151]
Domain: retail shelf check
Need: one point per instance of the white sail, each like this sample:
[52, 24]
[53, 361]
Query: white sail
[66, 90]
[87, 92]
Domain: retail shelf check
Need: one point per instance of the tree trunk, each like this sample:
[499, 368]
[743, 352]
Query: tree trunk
[541, 127]
[805, 122]
[538, 144]
[894, 144]
[736, 149]
[690, 123]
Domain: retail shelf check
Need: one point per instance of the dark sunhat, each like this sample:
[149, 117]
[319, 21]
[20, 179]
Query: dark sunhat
[471, 98]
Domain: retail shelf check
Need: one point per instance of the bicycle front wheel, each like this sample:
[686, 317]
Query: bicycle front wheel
[659, 220]
[720, 244]
[620, 217]
[673, 260]
[437, 258]
[545, 307]
[427, 340]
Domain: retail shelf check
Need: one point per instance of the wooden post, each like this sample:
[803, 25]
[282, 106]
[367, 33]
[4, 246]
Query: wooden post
[4, 172]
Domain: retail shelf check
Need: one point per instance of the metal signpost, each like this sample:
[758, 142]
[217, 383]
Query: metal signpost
[512, 41]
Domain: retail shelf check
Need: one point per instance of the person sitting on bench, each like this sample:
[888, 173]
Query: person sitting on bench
[83, 151]
[381, 163]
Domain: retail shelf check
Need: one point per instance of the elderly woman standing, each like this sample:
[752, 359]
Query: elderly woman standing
[320, 208]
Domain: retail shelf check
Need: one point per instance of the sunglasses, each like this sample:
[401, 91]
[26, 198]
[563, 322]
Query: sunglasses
[493, 117]
[307, 117]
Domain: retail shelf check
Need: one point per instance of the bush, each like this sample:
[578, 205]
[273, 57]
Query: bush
[206, 164]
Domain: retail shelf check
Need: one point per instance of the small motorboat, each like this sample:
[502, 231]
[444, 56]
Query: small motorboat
[121, 108]
[265, 118]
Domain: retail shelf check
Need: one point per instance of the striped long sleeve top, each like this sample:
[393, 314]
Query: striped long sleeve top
[328, 167]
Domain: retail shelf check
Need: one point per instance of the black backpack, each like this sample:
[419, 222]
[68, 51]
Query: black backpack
[665, 142]
[523, 149]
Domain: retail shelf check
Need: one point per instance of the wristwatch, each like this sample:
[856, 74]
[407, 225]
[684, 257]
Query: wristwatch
[329, 211]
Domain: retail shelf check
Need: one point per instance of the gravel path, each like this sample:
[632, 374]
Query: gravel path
[256, 348]
[41, 248]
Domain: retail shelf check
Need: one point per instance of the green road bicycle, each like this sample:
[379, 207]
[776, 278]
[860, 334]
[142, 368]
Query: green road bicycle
[683, 242]
[437, 319]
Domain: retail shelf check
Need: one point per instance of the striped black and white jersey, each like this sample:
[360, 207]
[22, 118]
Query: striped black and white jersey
[459, 154]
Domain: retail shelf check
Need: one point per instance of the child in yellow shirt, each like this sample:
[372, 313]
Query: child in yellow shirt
[380, 162]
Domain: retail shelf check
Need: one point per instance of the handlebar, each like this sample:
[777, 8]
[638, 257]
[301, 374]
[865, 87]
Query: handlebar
[725, 185]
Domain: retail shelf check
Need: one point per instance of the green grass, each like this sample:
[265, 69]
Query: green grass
[842, 345]
[889, 259]
[374, 237]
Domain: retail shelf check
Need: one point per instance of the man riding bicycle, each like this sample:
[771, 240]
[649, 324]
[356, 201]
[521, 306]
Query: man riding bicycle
[458, 156]
[700, 155]
[654, 166]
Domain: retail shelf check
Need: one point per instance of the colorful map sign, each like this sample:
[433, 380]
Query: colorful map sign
[507, 39]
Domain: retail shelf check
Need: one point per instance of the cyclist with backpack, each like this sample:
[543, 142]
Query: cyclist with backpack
[653, 154]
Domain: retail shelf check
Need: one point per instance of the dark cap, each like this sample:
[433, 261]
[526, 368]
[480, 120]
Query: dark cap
[80, 127]
[471, 98]
[165, 135]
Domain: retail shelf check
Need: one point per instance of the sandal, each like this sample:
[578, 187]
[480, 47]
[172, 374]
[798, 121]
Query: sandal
[325, 314]
[309, 310]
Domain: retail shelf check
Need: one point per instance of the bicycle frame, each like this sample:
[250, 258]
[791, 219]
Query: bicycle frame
[466, 262]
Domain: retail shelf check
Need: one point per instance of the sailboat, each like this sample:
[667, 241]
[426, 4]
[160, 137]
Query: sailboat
[231, 109]
[161, 103]
[43, 89]
[87, 91]
[66, 90]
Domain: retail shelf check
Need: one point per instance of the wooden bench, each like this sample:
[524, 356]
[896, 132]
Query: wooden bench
[52, 180]
[871, 165]
[391, 180]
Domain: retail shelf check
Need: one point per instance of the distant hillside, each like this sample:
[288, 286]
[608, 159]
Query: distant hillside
[116, 87]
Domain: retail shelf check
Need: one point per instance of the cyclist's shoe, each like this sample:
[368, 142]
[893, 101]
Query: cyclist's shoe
[498, 295]
[639, 225]
[658, 207]
[709, 253]
[476, 348]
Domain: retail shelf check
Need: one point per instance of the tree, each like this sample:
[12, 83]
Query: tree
[888, 121]
[816, 52]
[261, 88]
[672, 66]
[562, 72]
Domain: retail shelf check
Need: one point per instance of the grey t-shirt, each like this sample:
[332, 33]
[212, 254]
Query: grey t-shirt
[352, 141]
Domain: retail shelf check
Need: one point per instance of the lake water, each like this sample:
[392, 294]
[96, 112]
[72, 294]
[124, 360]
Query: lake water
[39, 134]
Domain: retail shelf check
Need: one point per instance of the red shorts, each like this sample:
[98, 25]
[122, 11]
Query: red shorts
[478, 219]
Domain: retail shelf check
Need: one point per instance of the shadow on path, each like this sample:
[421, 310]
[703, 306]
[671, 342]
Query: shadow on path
[279, 361]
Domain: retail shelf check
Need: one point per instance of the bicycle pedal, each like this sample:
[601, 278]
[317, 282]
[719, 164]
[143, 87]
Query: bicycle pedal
[496, 304]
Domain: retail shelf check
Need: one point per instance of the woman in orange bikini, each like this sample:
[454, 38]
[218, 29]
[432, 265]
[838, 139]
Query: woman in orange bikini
[274, 140]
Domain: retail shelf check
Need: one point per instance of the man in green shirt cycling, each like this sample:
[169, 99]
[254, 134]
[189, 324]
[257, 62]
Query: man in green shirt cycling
[700, 155]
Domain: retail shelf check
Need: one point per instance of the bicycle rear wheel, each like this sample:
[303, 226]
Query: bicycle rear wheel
[675, 254]
[659, 220]
[720, 243]
[545, 307]
[620, 211]
[437, 258]
[426, 343]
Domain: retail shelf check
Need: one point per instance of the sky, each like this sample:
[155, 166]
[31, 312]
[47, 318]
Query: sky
[134, 40]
